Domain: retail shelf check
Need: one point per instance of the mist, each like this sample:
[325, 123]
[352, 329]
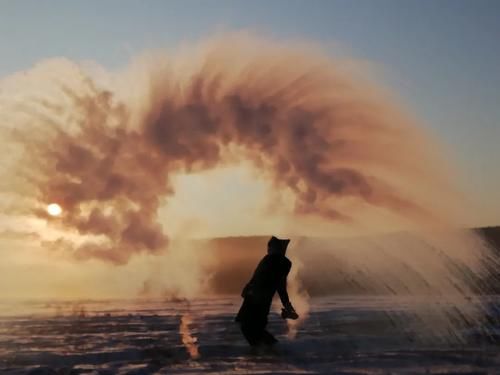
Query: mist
[328, 141]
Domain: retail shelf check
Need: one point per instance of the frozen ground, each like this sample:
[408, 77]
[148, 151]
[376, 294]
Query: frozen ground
[343, 335]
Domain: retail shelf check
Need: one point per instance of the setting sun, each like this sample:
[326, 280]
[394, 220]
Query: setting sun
[54, 209]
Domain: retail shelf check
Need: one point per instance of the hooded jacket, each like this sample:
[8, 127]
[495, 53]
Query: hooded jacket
[270, 275]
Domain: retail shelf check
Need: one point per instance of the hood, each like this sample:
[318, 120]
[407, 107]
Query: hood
[277, 246]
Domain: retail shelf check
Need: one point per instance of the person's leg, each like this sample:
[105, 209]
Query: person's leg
[267, 339]
[257, 335]
[251, 333]
[253, 321]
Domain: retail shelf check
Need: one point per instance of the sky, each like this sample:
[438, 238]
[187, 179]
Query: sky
[440, 58]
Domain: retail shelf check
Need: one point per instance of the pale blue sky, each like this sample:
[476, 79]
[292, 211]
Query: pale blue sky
[442, 57]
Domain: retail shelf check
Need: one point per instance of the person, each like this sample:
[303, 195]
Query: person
[269, 277]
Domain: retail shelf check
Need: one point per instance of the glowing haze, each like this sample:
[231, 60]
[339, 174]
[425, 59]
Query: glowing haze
[331, 146]
[106, 151]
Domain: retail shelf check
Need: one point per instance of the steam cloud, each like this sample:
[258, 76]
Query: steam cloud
[106, 153]
[105, 146]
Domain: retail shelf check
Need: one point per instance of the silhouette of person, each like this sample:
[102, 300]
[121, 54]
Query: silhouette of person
[269, 277]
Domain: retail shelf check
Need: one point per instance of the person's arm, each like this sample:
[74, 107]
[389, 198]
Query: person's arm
[288, 312]
[283, 293]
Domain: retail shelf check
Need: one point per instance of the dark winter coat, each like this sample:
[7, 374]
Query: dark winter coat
[268, 278]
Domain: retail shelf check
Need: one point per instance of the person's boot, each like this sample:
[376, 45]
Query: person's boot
[289, 313]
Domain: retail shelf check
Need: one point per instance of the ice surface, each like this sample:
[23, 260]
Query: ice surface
[342, 335]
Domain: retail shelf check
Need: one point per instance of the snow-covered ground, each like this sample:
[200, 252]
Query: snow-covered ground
[342, 335]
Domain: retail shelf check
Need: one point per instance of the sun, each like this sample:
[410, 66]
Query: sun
[54, 209]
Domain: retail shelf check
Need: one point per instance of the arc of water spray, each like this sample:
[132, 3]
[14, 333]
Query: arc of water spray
[106, 151]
